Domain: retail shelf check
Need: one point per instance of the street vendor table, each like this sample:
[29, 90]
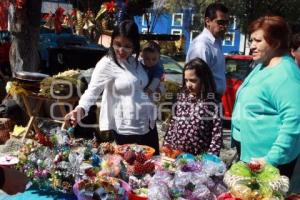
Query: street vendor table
[33, 110]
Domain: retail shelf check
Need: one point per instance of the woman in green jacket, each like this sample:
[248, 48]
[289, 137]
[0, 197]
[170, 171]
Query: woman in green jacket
[266, 116]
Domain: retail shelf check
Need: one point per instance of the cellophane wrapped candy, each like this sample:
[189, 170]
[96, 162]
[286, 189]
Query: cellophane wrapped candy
[247, 184]
[158, 191]
[193, 179]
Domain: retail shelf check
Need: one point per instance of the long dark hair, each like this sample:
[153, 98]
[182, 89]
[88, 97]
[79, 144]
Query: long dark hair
[128, 29]
[203, 72]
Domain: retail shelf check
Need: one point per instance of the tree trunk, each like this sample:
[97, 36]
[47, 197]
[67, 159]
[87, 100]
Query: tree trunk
[24, 54]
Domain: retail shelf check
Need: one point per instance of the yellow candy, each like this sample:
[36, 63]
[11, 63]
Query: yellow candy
[104, 164]
[241, 191]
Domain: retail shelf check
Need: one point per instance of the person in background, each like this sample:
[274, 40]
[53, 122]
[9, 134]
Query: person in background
[196, 127]
[152, 65]
[295, 51]
[12, 181]
[266, 115]
[125, 109]
[208, 45]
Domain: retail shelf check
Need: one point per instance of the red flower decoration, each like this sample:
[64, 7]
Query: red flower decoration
[20, 3]
[111, 7]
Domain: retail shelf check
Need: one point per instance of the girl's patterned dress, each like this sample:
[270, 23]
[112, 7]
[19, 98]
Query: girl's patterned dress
[195, 127]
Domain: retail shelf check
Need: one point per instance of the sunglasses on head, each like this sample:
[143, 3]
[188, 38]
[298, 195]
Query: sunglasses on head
[222, 22]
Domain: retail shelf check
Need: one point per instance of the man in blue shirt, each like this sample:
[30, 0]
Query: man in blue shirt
[208, 44]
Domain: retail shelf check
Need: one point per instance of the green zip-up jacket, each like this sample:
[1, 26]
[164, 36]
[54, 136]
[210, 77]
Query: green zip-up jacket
[266, 115]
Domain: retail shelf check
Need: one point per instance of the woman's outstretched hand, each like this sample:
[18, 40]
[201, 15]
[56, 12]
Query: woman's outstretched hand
[73, 117]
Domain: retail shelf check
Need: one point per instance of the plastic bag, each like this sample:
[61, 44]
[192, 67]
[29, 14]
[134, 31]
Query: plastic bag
[158, 191]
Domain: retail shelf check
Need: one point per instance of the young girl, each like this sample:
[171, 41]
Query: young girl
[122, 79]
[195, 126]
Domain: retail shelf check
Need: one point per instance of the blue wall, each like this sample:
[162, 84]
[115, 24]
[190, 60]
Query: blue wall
[163, 25]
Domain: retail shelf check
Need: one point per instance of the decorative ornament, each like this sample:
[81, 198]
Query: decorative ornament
[20, 4]
[58, 19]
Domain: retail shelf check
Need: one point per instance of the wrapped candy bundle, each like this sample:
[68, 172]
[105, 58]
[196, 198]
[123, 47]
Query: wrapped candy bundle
[248, 183]
[59, 166]
[103, 187]
[194, 178]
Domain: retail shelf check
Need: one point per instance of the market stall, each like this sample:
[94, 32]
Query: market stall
[61, 166]
[69, 168]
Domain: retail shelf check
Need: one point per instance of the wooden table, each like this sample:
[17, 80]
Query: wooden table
[34, 110]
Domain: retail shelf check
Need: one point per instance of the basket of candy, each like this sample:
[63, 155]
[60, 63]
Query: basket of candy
[248, 182]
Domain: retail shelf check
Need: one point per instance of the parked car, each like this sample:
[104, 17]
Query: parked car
[66, 50]
[237, 69]
[173, 70]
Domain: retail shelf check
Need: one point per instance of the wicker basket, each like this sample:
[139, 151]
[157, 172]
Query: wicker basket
[6, 125]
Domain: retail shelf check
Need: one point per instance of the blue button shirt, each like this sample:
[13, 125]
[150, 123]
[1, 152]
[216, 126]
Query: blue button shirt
[209, 49]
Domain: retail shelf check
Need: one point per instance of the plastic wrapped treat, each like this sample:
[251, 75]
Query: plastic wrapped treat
[201, 192]
[162, 176]
[199, 178]
[248, 183]
[158, 191]
[181, 179]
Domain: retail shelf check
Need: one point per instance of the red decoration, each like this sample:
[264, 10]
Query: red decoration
[58, 19]
[111, 7]
[227, 196]
[43, 139]
[20, 4]
[3, 14]
[73, 13]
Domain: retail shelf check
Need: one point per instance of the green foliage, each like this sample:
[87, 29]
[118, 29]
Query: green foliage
[138, 7]
[135, 7]
[198, 9]
[245, 11]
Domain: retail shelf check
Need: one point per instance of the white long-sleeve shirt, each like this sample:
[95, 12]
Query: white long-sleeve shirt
[125, 107]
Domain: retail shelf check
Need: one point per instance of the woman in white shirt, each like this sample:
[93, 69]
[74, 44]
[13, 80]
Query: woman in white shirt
[125, 108]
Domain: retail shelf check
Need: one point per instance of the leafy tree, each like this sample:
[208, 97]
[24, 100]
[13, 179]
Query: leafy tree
[198, 8]
[247, 11]
[244, 10]
[84, 5]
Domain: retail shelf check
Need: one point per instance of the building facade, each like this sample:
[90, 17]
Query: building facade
[182, 23]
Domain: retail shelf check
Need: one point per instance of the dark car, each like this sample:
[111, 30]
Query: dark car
[59, 52]
[237, 69]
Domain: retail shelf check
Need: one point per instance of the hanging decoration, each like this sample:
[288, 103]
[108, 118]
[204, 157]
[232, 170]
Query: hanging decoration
[79, 23]
[89, 21]
[107, 15]
[58, 19]
[3, 14]
[49, 18]
[20, 4]
[115, 11]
